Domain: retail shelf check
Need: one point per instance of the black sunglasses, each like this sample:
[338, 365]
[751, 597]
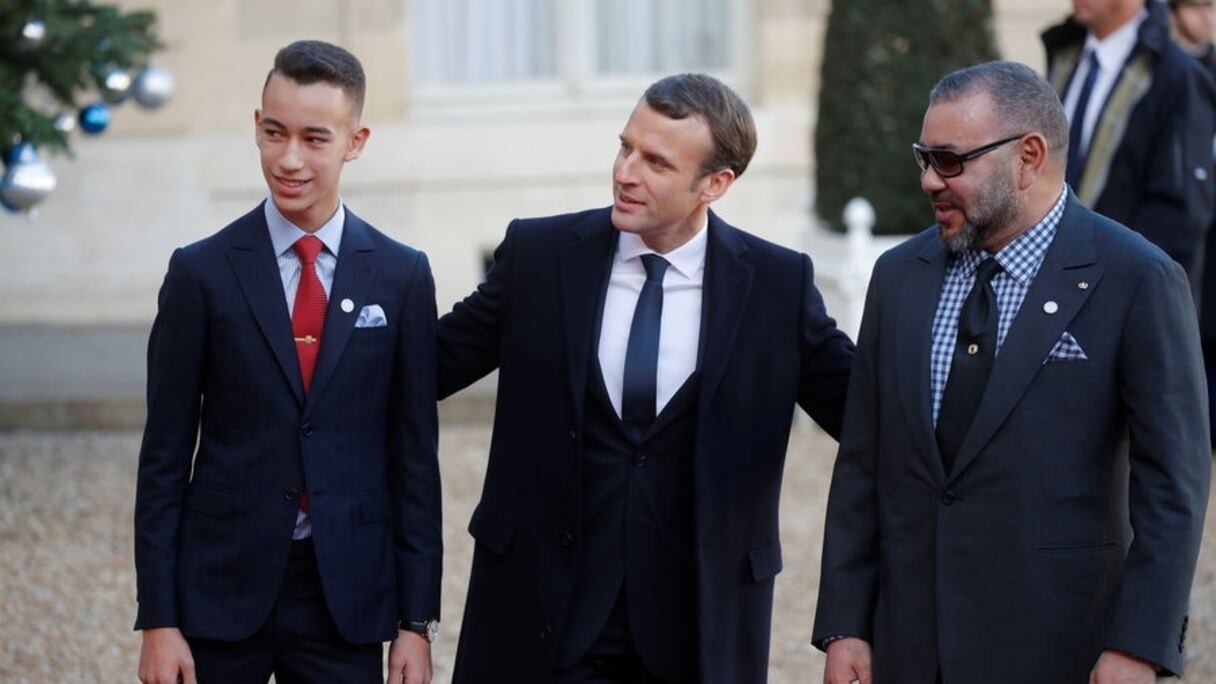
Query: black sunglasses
[949, 164]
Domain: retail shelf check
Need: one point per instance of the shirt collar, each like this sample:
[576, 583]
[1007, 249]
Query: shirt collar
[688, 258]
[1114, 49]
[284, 233]
[1021, 258]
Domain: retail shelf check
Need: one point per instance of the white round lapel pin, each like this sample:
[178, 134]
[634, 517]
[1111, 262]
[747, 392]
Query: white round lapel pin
[1050, 307]
[348, 306]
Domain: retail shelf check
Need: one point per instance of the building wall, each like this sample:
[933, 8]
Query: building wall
[443, 176]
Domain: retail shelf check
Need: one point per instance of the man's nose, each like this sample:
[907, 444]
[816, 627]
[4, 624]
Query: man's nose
[291, 159]
[623, 172]
[931, 181]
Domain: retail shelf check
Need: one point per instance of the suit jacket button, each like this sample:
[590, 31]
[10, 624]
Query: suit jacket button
[306, 428]
[546, 631]
[567, 540]
[573, 435]
[639, 458]
[948, 498]
[291, 494]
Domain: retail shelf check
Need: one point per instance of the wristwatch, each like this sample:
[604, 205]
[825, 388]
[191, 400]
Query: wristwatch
[427, 629]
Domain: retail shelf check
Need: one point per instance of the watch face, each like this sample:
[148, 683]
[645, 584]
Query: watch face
[432, 630]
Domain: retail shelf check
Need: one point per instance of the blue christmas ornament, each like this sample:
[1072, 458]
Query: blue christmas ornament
[94, 118]
[19, 152]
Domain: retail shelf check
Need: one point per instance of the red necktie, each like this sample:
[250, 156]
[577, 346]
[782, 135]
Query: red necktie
[308, 315]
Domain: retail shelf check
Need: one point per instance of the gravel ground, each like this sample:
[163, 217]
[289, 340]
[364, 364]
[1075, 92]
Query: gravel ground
[67, 584]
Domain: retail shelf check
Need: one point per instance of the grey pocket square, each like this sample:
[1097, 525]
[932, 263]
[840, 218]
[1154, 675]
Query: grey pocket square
[1066, 349]
[371, 316]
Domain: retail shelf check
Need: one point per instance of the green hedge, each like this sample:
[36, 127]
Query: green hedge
[880, 60]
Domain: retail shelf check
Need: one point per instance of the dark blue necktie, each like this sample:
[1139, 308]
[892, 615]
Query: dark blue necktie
[974, 355]
[642, 354]
[1076, 129]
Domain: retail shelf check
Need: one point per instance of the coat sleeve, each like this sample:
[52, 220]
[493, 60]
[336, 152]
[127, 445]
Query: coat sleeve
[176, 359]
[414, 460]
[1161, 382]
[826, 356]
[848, 584]
[469, 335]
[1178, 197]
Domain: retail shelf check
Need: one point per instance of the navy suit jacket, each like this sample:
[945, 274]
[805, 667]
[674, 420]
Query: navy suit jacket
[213, 525]
[767, 345]
[1071, 521]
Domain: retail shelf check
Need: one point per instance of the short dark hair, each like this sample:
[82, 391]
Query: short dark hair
[730, 121]
[1023, 101]
[314, 61]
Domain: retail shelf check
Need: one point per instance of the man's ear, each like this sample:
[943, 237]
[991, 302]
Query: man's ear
[357, 140]
[716, 184]
[1033, 153]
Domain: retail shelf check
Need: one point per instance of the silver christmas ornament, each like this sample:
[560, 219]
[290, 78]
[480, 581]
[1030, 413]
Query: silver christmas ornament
[153, 86]
[116, 86]
[65, 122]
[27, 182]
[33, 35]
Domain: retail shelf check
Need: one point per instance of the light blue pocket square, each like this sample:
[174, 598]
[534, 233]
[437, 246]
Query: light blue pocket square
[371, 316]
[1066, 349]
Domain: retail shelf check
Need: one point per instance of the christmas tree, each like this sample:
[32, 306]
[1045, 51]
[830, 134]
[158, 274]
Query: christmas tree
[880, 60]
[54, 56]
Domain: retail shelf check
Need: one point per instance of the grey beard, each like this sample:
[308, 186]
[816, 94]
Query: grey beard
[966, 239]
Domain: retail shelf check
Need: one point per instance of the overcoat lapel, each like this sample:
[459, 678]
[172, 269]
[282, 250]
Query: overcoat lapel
[727, 284]
[352, 281]
[918, 304]
[1067, 277]
[256, 266]
[584, 266]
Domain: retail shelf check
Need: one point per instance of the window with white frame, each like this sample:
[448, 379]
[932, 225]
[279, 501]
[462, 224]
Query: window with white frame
[569, 45]
[477, 41]
[659, 36]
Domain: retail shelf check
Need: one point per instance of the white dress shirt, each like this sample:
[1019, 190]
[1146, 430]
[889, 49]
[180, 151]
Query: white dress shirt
[679, 326]
[283, 236]
[1112, 52]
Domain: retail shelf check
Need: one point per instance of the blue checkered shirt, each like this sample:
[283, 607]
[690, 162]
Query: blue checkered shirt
[1020, 261]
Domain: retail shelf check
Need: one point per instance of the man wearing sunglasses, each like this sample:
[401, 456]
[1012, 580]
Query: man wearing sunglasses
[1023, 469]
[1141, 123]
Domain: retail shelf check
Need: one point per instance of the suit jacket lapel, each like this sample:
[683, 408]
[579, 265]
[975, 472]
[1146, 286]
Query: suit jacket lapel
[256, 265]
[352, 280]
[585, 265]
[727, 283]
[918, 305]
[1070, 261]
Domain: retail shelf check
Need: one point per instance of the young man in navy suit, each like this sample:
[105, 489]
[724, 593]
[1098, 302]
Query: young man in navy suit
[1024, 468]
[650, 358]
[287, 515]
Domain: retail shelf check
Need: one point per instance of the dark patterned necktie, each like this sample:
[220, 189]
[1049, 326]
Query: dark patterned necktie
[974, 354]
